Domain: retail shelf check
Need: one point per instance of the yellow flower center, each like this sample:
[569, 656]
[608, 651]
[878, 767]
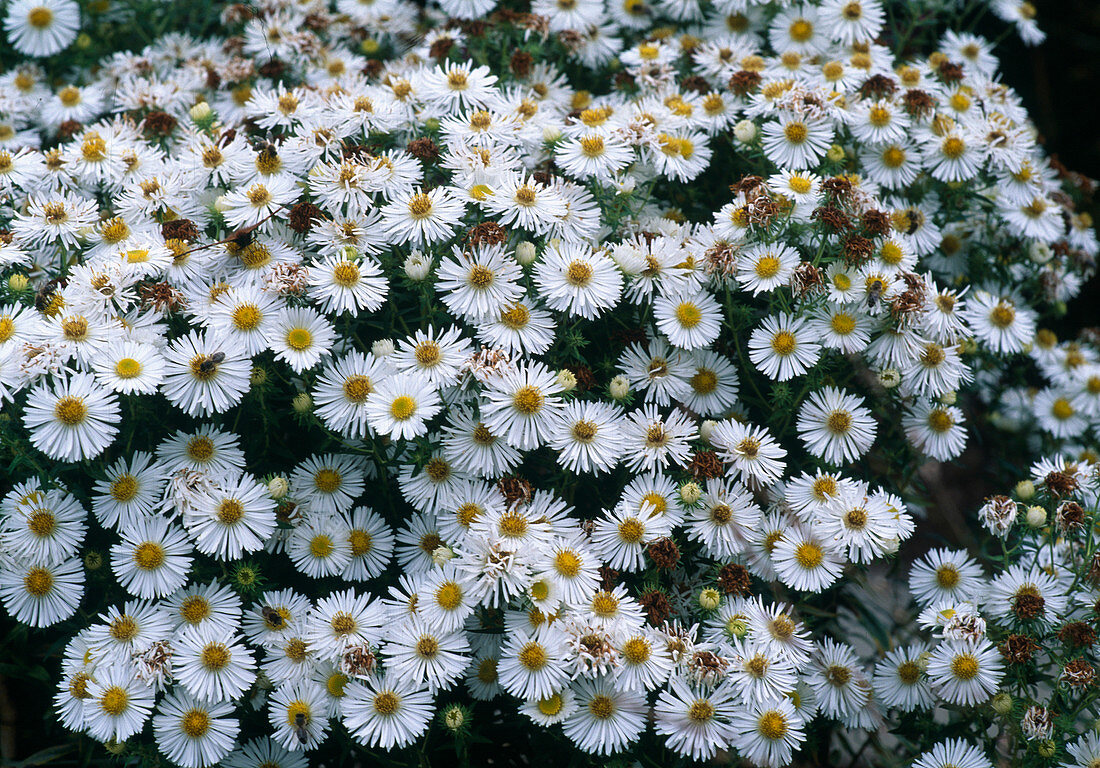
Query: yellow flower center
[70, 410]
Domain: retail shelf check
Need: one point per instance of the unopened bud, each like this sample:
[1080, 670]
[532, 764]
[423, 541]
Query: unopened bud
[745, 131]
[278, 487]
[709, 599]
[1025, 489]
[1001, 703]
[567, 380]
[690, 493]
[619, 387]
[302, 403]
[1036, 517]
[526, 252]
[417, 266]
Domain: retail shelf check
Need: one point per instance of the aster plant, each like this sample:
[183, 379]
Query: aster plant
[378, 377]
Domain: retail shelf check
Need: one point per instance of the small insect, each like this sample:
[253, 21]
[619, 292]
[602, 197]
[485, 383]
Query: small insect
[913, 219]
[210, 363]
[45, 294]
[300, 727]
[874, 292]
[273, 618]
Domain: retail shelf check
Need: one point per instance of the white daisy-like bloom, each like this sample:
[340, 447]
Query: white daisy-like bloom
[522, 404]
[342, 388]
[298, 710]
[401, 405]
[783, 347]
[118, 703]
[124, 631]
[42, 28]
[75, 419]
[663, 372]
[1025, 593]
[944, 574]
[264, 752]
[689, 322]
[796, 142]
[215, 604]
[936, 430]
[203, 377]
[422, 218]
[806, 560]
[269, 620]
[900, 680]
[425, 655]
[767, 733]
[838, 679]
[437, 356]
[260, 201]
[347, 282]
[521, 327]
[232, 519]
[320, 546]
[387, 711]
[965, 672]
[765, 267]
[42, 593]
[212, 666]
[1003, 323]
[301, 336]
[130, 368]
[533, 664]
[696, 721]
[153, 558]
[835, 426]
[575, 279]
[752, 450]
[371, 544]
[344, 619]
[194, 734]
[586, 434]
[957, 753]
[620, 535]
[552, 709]
[650, 441]
[242, 316]
[593, 154]
[329, 482]
[42, 525]
[479, 282]
[607, 719]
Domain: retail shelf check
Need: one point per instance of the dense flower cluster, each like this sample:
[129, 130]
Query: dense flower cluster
[611, 375]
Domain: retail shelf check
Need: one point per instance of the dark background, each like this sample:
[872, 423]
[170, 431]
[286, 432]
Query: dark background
[1059, 82]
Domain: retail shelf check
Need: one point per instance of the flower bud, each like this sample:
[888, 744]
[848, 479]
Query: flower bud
[369, 46]
[1047, 748]
[1025, 489]
[889, 378]
[18, 283]
[278, 487]
[709, 599]
[949, 398]
[835, 154]
[258, 376]
[551, 133]
[690, 493]
[745, 131]
[221, 204]
[302, 403]
[455, 717]
[442, 554]
[202, 115]
[1036, 517]
[84, 41]
[619, 387]
[567, 380]
[1001, 703]
[383, 348]
[706, 429]
[891, 545]
[417, 266]
[1040, 252]
[526, 252]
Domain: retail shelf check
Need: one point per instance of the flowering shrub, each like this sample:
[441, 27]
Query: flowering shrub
[566, 366]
